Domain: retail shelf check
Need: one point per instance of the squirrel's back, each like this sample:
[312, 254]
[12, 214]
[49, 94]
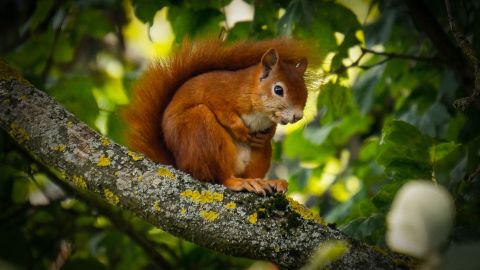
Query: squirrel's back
[163, 77]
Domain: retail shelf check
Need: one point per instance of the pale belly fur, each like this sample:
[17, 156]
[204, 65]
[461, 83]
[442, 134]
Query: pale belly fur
[255, 122]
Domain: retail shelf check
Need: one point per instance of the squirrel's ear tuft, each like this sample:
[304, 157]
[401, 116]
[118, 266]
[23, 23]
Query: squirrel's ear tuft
[270, 58]
[301, 65]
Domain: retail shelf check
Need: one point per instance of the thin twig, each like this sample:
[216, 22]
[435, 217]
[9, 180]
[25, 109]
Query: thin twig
[473, 175]
[400, 55]
[49, 62]
[388, 56]
[468, 50]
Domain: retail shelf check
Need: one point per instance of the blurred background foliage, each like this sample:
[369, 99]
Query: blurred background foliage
[380, 114]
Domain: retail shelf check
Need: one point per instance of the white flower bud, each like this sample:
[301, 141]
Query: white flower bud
[420, 219]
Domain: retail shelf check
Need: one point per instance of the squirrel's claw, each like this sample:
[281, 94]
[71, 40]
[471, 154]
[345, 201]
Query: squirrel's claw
[257, 185]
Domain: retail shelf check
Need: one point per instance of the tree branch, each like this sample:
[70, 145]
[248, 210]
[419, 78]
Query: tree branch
[388, 56]
[401, 55]
[270, 228]
[469, 52]
[426, 21]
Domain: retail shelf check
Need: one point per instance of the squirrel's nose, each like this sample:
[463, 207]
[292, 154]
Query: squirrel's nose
[297, 116]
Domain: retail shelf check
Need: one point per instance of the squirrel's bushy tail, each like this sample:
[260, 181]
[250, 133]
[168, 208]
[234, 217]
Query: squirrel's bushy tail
[163, 77]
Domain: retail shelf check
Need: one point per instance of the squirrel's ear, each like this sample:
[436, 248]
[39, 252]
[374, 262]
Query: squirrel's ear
[269, 60]
[301, 65]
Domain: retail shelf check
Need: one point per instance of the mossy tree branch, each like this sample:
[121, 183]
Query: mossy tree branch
[240, 224]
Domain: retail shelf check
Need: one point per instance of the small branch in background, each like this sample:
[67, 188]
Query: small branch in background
[49, 62]
[388, 56]
[400, 55]
[63, 255]
[468, 50]
[473, 175]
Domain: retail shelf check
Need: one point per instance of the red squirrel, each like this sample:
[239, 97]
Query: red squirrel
[211, 109]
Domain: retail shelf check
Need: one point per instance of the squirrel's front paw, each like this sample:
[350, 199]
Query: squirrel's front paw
[258, 139]
[241, 133]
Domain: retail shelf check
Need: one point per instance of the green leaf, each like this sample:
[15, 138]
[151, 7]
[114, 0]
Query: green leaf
[462, 256]
[63, 50]
[94, 22]
[264, 18]
[76, 95]
[116, 128]
[440, 151]
[214, 4]
[319, 135]
[83, 263]
[295, 146]
[431, 121]
[241, 30]
[42, 10]
[145, 9]
[364, 88]
[335, 100]
[192, 23]
[369, 229]
[404, 151]
[21, 188]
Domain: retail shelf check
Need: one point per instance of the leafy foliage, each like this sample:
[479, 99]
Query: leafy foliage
[377, 120]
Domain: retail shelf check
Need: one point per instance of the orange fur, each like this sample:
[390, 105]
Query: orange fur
[202, 109]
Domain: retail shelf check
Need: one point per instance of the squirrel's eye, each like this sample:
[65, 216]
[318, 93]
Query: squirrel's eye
[278, 90]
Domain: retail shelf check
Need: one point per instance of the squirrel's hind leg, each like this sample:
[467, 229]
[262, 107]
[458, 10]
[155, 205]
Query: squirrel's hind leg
[200, 145]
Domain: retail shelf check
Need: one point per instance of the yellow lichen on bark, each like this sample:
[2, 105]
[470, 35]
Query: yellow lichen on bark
[79, 182]
[230, 205]
[304, 212]
[134, 156]
[105, 141]
[103, 161]
[209, 215]
[59, 148]
[164, 172]
[18, 133]
[111, 197]
[253, 218]
[206, 196]
[156, 206]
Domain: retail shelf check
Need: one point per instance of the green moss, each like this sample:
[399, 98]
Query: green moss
[293, 219]
[7, 73]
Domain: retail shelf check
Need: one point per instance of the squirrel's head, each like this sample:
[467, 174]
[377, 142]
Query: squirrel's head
[281, 87]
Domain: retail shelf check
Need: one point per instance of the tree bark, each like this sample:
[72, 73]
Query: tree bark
[272, 228]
